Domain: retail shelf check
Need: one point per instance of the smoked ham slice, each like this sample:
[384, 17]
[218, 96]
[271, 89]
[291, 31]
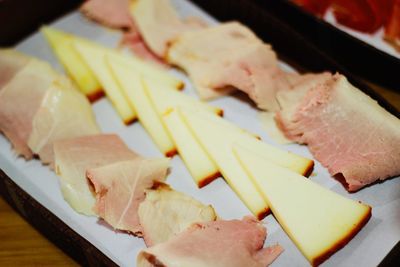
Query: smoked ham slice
[111, 13]
[11, 62]
[64, 113]
[235, 243]
[115, 14]
[20, 99]
[74, 156]
[236, 57]
[134, 41]
[290, 99]
[120, 188]
[159, 23]
[166, 212]
[348, 132]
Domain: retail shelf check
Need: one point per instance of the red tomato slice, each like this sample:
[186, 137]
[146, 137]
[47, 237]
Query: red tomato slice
[316, 7]
[392, 28]
[382, 8]
[357, 14]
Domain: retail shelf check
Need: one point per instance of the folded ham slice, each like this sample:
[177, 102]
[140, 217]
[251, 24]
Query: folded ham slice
[115, 14]
[159, 23]
[235, 57]
[74, 156]
[64, 113]
[120, 188]
[290, 98]
[235, 243]
[134, 41]
[11, 62]
[111, 13]
[348, 132]
[20, 99]
[166, 212]
[254, 70]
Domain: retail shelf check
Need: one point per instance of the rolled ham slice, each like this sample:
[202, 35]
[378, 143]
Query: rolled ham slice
[165, 213]
[64, 113]
[11, 62]
[74, 156]
[20, 99]
[235, 243]
[111, 13]
[120, 188]
[348, 132]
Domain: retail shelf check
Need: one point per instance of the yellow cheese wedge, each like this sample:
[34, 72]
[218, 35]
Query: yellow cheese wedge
[164, 99]
[75, 66]
[217, 135]
[94, 55]
[132, 84]
[149, 70]
[199, 164]
[317, 220]
[217, 141]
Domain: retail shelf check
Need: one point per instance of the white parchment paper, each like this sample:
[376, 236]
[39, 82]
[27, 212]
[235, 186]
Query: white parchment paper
[368, 248]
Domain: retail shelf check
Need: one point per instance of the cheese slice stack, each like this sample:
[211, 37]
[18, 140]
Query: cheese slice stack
[76, 68]
[85, 61]
[217, 137]
[165, 100]
[318, 220]
[95, 56]
[132, 84]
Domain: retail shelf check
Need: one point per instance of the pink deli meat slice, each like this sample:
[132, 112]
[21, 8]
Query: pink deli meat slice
[165, 213]
[348, 132]
[159, 24]
[11, 62]
[64, 113]
[234, 243]
[74, 156]
[111, 13]
[120, 188]
[291, 98]
[235, 58]
[20, 99]
[134, 41]
[115, 14]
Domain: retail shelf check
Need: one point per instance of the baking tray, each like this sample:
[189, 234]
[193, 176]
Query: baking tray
[33, 190]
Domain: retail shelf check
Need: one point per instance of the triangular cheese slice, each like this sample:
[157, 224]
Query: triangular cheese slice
[165, 100]
[217, 135]
[94, 55]
[74, 65]
[149, 70]
[200, 165]
[318, 220]
[132, 84]
[217, 141]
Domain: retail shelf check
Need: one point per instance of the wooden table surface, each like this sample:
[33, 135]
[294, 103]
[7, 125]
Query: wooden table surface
[21, 245]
